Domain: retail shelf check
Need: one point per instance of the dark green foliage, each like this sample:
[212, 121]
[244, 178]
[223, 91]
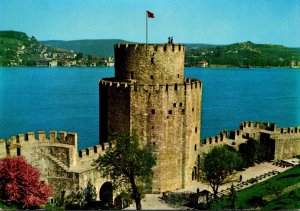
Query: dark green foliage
[251, 151]
[90, 193]
[274, 187]
[256, 201]
[217, 165]
[128, 164]
[81, 198]
[232, 198]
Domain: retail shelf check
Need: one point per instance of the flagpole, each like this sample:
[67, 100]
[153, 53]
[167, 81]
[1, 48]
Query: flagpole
[146, 28]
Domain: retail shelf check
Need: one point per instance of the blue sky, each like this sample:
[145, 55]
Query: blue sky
[188, 21]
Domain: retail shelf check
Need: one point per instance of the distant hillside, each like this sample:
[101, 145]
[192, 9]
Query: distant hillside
[189, 46]
[18, 49]
[245, 53]
[101, 47]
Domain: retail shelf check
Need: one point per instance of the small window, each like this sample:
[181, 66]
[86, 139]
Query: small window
[87, 151]
[174, 105]
[151, 77]
[180, 104]
[178, 76]
[182, 111]
[152, 127]
[18, 151]
[193, 109]
[152, 111]
[131, 75]
[154, 144]
[175, 87]
[195, 147]
[170, 111]
[152, 60]
[196, 129]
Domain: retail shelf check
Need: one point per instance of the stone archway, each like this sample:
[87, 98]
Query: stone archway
[106, 195]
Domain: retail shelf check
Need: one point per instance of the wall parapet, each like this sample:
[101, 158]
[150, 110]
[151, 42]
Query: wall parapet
[64, 137]
[95, 151]
[187, 84]
[289, 130]
[270, 126]
[150, 47]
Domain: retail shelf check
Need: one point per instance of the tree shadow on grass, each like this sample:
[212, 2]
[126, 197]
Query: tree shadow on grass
[289, 176]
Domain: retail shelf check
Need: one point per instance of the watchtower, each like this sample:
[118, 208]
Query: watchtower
[150, 95]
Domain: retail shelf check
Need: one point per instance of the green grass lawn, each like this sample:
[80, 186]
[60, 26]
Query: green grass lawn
[259, 195]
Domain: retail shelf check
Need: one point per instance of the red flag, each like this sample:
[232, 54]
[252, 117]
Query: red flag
[150, 14]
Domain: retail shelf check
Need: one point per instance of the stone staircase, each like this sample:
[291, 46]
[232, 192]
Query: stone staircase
[57, 161]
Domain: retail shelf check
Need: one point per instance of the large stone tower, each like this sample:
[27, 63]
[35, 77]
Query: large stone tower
[149, 94]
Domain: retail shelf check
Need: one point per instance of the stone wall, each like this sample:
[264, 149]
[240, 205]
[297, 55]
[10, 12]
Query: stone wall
[277, 143]
[168, 117]
[57, 159]
[150, 95]
[150, 64]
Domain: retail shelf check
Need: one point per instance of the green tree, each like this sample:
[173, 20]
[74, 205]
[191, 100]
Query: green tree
[90, 193]
[80, 198]
[128, 164]
[250, 151]
[217, 165]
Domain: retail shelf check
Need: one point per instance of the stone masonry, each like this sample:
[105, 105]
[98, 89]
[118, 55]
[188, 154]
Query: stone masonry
[151, 96]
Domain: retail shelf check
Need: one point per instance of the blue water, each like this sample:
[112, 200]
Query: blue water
[33, 99]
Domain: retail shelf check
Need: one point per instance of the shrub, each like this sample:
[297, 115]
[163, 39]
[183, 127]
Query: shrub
[20, 183]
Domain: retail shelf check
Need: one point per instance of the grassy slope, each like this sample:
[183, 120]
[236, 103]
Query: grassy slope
[285, 179]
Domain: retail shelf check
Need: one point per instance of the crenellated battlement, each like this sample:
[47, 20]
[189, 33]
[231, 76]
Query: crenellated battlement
[133, 86]
[150, 64]
[63, 137]
[259, 125]
[150, 47]
[289, 130]
[93, 151]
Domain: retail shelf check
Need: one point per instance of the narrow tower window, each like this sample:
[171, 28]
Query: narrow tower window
[170, 111]
[151, 77]
[152, 61]
[196, 129]
[152, 111]
[18, 151]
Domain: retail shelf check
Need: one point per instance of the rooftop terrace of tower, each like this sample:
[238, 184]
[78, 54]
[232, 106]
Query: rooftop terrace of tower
[150, 64]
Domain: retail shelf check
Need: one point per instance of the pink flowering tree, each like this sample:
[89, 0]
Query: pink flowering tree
[20, 183]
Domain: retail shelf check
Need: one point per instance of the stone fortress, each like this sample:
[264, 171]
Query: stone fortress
[149, 95]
